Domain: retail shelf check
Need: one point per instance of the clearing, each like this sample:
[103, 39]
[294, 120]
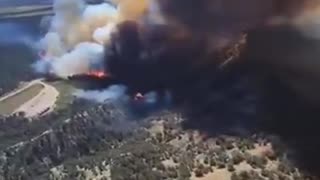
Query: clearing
[35, 98]
[13, 101]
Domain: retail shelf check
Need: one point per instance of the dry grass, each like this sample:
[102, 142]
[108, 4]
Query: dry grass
[10, 104]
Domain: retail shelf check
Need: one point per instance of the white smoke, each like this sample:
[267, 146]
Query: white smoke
[309, 23]
[116, 94]
[102, 34]
[41, 66]
[77, 30]
[68, 23]
[111, 94]
[52, 44]
[79, 60]
[99, 15]
[74, 42]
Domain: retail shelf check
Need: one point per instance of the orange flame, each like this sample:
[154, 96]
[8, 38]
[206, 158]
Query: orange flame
[98, 74]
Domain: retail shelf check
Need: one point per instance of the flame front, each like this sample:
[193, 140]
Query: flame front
[138, 96]
[98, 74]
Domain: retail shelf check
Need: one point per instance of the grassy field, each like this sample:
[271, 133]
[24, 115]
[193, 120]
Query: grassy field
[65, 97]
[10, 104]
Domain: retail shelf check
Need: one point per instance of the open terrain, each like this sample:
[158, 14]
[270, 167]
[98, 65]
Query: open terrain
[12, 101]
[34, 98]
[77, 139]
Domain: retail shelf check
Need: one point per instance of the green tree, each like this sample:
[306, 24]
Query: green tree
[237, 157]
[234, 176]
[221, 165]
[230, 167]
[159, 137]
[206, 160]
[257, 162]
[213, 162]
[184, 172]
[172, 172]
[198, 173]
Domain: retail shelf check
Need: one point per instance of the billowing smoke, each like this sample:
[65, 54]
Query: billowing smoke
[159, 44]
[79, 61]
[102, 34]
[74, 26]
[181, 54]
[212, 23]
[194, 33]
[73, 44]
[222, 22]
[117, 95]
[114, 93]
[181, 45]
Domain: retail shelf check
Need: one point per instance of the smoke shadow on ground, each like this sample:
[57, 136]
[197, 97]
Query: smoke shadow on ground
[278, 112]
[275, 107]
[245, 99]
[296, 123]
[221, 102]
[289, 94]
[229, 105]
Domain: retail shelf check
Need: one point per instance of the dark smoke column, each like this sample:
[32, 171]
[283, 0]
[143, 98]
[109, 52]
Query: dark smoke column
[149, 58]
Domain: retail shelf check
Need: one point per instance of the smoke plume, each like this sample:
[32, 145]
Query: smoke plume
[117, 95]
[215, 23]
[161, 44]
[73, 44]
[79, 60]
[112, 94]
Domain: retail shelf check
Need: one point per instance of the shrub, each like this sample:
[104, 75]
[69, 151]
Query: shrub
[230, 167]
[257, 162]
[213, 162]
[206, 160]
[184, 172]
[270, 155]
[234, 176]
[221, 165]
[237, 157]
[198, 173]
[172, 172]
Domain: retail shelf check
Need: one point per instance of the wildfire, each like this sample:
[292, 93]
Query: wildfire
[98, 74]
[138, 96]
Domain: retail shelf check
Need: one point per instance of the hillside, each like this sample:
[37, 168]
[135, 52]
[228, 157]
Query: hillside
[102, 142]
